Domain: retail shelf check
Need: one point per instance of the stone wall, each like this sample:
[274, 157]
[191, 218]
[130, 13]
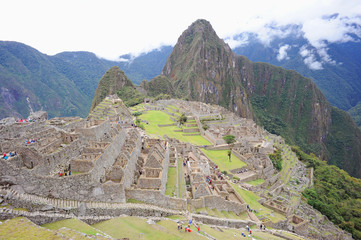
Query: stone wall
[96, 132]
[190, 130]
[231, 223]
[164, 176]
[62, 157]
[130, 168]
[107, 159]
[149, 183]
[223, 205]
[218, 203]
[156, 198]
[83, 187]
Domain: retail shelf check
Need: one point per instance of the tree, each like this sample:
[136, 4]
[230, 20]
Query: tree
[229, 139]
[182, 119]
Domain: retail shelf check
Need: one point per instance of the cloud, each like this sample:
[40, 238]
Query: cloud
[109, 28]
[282, 52]
[237, 41]
[309, 58]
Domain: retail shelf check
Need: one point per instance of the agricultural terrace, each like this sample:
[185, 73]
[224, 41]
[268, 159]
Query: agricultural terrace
[155, 118]
[261, 211]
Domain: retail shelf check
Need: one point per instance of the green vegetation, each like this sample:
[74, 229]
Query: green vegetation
[136, 114]
[229, 139]
[252, 200]
[131, 200]
[158, 117]
[276, 159]
[22, 228]
[130, 96]
[162, 96]
[335, 194]
[344, 143]
[182, 119]
[219, 157]
[74, 224]
[171, 185]
[111, 82]
[236, 234]
[256, 182]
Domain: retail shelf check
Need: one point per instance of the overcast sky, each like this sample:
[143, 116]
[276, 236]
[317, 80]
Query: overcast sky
[110, 28]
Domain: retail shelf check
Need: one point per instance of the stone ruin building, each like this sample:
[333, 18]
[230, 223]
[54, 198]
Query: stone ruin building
[105, 160]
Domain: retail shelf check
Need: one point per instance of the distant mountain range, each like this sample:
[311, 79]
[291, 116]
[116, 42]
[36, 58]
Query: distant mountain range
[63, 84]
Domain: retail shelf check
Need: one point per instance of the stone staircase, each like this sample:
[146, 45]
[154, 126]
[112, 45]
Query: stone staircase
[73, 204]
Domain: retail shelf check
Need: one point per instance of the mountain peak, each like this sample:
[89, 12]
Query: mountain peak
[112, 81]
[200, 30]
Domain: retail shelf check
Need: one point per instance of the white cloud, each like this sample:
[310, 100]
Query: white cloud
[237, 41]
[111, 28]
[309, 58]
[282, 52]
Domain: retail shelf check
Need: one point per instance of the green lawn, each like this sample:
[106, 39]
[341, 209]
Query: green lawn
[158, 117]
[236, 234]
[256, 182]
[220, 158]
[222, 214]
[138, 228]
[74, 224]
[22, 228]
[171, 185]
[252, 200]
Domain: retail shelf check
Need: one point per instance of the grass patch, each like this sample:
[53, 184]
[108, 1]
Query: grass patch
[74, 224]
[235, 234]
[220, 158]
[131, 200]
[171, 185]
[256, 182]
[158, 117]
[177, 217]
[22, 228]
[223, 214]
[252, 200]
[137, 228]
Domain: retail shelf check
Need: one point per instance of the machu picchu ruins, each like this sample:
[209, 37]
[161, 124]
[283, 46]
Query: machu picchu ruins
[115, 163]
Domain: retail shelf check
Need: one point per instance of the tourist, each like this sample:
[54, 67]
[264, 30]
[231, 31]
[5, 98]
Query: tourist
[69, 172]
[260, 227]
[199, 229]
[185, 229]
